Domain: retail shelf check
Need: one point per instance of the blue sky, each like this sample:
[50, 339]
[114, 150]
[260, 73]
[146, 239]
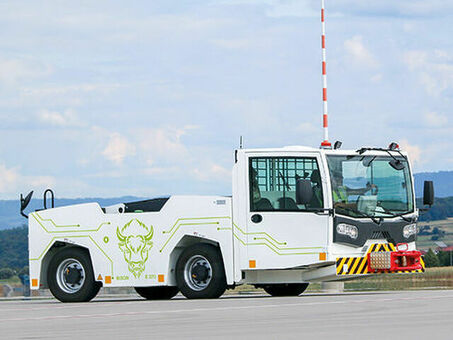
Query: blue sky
[149, 98]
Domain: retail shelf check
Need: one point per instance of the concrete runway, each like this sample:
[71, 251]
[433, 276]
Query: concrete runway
[374, 315]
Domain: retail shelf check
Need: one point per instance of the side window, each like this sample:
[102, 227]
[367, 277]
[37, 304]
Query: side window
[273, 183]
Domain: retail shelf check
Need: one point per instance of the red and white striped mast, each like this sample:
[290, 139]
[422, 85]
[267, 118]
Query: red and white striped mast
[325, 143]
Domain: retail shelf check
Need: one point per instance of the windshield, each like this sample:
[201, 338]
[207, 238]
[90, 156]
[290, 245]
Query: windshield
[370, 185]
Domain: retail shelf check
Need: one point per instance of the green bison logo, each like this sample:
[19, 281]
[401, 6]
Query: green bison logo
[135, 243]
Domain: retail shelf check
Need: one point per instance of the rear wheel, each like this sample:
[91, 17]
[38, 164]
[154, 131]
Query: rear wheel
[200, 273]
[290, 289]
[70, 276]
[157, 293]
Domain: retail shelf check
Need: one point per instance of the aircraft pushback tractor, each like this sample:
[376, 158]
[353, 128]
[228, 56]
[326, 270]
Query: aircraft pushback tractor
[296, 215]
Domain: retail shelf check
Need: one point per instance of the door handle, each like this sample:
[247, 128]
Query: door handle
[256, 218]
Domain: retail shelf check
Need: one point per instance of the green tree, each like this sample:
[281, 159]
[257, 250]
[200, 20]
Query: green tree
[24, 271]
[6, 273]
[431, 259]
[14, 248]
[444, 258]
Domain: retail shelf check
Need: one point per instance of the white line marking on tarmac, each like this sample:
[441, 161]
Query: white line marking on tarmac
[106, 315]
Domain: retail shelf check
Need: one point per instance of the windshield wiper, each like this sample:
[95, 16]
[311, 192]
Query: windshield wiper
[378, 221]
[387, 211]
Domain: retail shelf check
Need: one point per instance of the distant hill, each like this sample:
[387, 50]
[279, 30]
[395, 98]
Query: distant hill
[443, 183]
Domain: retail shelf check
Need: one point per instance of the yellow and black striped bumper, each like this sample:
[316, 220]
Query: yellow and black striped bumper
[359, 265]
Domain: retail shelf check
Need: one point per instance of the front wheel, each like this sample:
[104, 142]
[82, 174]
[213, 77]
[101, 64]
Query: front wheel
[157, 293]
[70, 276]
[200, 273]
[290, 289]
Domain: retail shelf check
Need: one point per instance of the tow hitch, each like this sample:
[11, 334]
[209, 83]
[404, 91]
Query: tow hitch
[391, 261]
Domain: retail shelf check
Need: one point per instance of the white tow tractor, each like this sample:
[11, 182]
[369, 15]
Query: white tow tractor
[297, 215]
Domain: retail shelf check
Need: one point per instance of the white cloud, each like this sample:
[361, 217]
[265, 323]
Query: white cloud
[434, 69]
[308, 128]
[293, 8]
[382, 8]
[64, 95]
[159, 171]
[409, 27]
[415, 59]
[76, 89]
[14, 70]
[67, 118]
[164, 144]
[156, 150]
[280, 8]
[8, 178]
[231, 44]
[12, 181]
[434, 119]
[377, 78]
[414, 151]
[118, 148]
[359, 53]
[211, 171]
[391, 8]
[40, 181]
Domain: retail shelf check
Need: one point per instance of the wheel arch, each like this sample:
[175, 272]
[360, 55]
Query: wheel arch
[54, 249]
[184, 243]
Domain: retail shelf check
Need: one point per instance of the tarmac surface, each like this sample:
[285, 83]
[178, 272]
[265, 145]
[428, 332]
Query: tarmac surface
[374, 315]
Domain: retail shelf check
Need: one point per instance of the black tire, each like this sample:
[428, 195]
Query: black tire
[290, 289]
[157, 293]
[209, 267]
[86, 286]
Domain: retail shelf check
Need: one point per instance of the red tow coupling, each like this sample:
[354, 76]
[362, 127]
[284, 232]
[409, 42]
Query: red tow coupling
[392, 261]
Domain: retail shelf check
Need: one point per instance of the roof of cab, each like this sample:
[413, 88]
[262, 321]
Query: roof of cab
[300, 148]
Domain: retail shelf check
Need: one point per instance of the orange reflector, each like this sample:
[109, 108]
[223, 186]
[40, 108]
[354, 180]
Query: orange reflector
[160, 278]
[100, 277]
[108, 279]
[322, 256]
[34, 282]
[252, 264]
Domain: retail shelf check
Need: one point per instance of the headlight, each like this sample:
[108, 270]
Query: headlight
[409, 230]
[348, 230]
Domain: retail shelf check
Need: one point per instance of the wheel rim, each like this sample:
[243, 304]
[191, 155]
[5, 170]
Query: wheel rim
[198, 272]
[70, 276]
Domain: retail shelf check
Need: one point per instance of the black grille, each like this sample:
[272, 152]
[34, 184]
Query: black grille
[377, 235]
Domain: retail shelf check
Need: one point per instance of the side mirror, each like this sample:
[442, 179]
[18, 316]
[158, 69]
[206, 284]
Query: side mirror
[396, 164]
[428, 193]
[24, 203]
[304, 191]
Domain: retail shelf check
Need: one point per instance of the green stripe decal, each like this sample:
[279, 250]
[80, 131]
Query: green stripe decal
[184, 224]
[66, 231]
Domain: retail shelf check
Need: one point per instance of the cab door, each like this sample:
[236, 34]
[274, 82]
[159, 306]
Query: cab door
[280, 232]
